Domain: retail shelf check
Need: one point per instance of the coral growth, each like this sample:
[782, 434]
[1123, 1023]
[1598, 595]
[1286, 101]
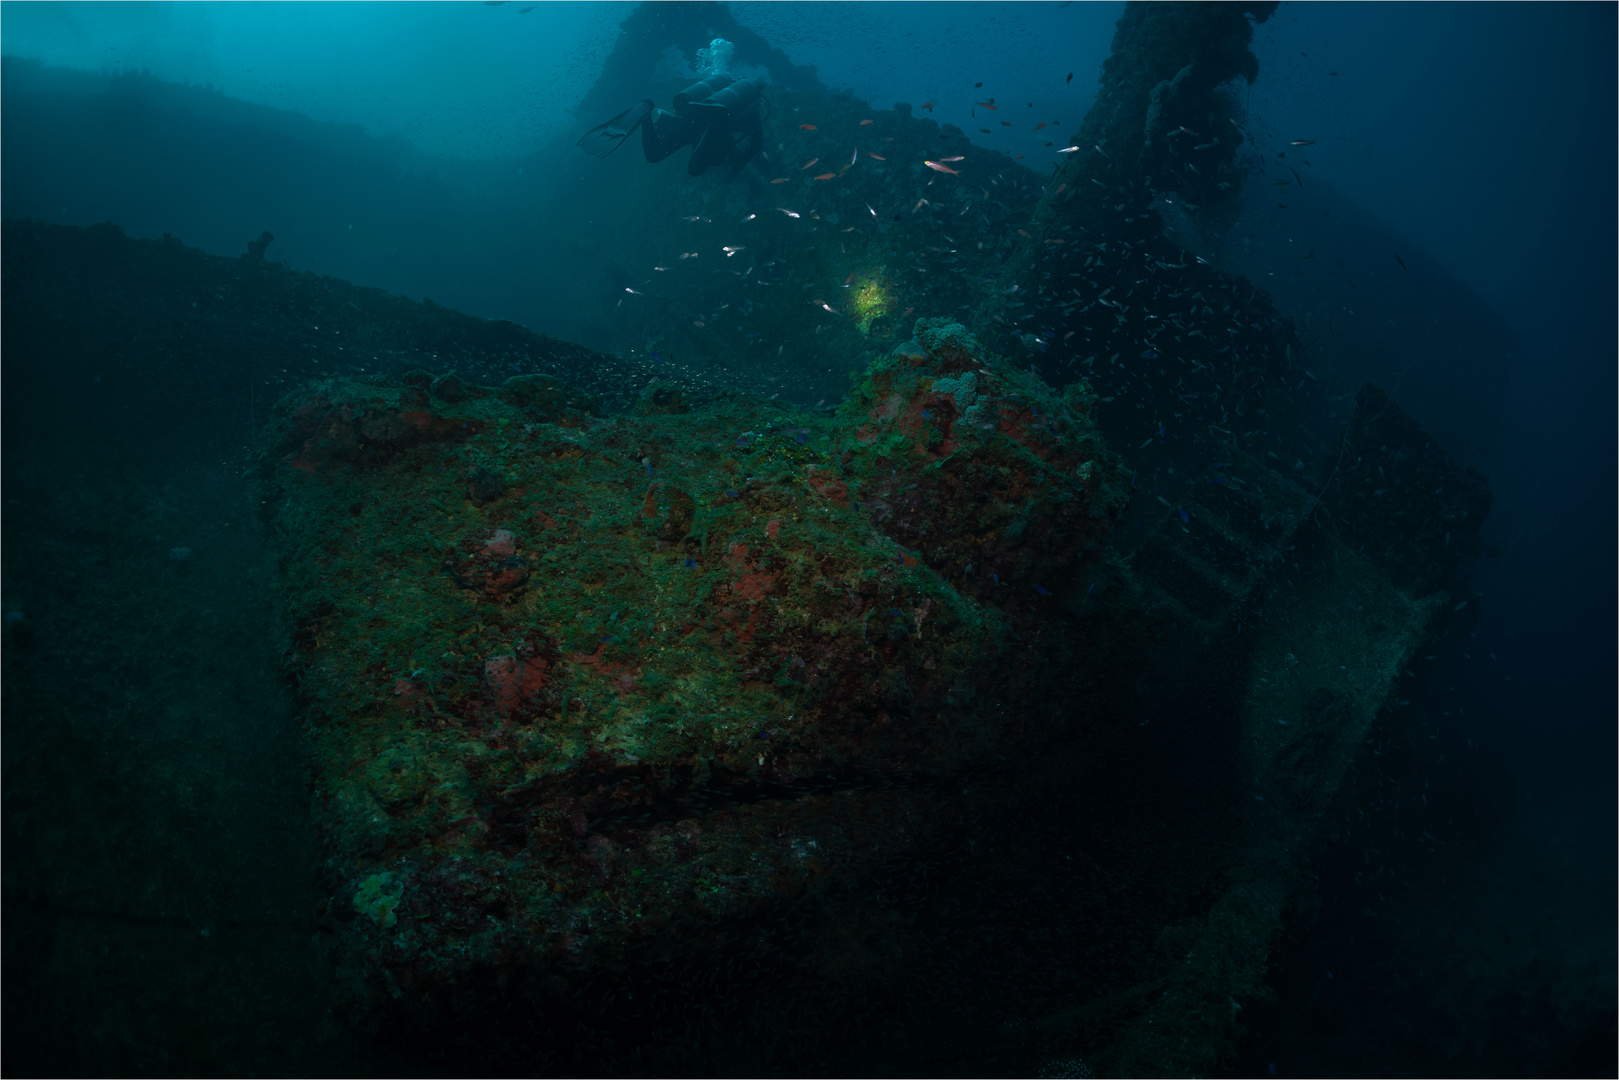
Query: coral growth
[997, 481]
[645, 672]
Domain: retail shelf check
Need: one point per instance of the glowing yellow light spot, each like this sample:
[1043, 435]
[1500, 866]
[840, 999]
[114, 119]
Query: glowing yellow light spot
[872, 301]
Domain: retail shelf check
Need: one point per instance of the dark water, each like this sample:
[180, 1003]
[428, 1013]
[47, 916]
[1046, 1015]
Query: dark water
[1449, 235]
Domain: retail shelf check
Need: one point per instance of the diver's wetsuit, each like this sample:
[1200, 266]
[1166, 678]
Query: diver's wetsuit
[721, 115]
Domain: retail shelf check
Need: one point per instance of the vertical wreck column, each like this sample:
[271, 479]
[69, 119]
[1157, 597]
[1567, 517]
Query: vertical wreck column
[1164, 126]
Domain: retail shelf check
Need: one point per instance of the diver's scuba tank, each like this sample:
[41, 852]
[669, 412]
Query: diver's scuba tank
[733, 130]
[735, 98]
[698, 93]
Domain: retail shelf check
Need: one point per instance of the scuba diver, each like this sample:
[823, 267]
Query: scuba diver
[720, 117]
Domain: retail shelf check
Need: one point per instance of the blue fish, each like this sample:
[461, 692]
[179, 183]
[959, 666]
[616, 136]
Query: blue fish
[1150, 354]
[1041, 589]
[690, 563]
[1185, 517]
[658, 358]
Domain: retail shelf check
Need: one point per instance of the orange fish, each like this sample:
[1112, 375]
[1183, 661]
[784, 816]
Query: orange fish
[928, 106]
[807, 127]
[783, 180]
[1037, 127]
[1006, 123]
[1025, 234]
[1060, 189]
[879, 157]
[865, 123]
[908, 311]
[936, 167]
[847, 280]
[808, 163]
[985, 105]
[826, 176]
[958, 157]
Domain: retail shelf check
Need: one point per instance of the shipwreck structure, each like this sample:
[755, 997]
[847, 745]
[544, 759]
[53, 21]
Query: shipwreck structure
[625, 720]
[674, 704]
[703, 724]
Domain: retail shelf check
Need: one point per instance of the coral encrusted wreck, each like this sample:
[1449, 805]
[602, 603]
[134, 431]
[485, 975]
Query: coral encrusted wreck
[588, 687]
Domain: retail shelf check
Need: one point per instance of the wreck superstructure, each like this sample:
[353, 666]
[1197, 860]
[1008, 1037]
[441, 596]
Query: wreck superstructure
[692, 699]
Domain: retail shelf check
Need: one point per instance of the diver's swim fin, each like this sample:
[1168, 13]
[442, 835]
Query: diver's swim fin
[603, 140]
